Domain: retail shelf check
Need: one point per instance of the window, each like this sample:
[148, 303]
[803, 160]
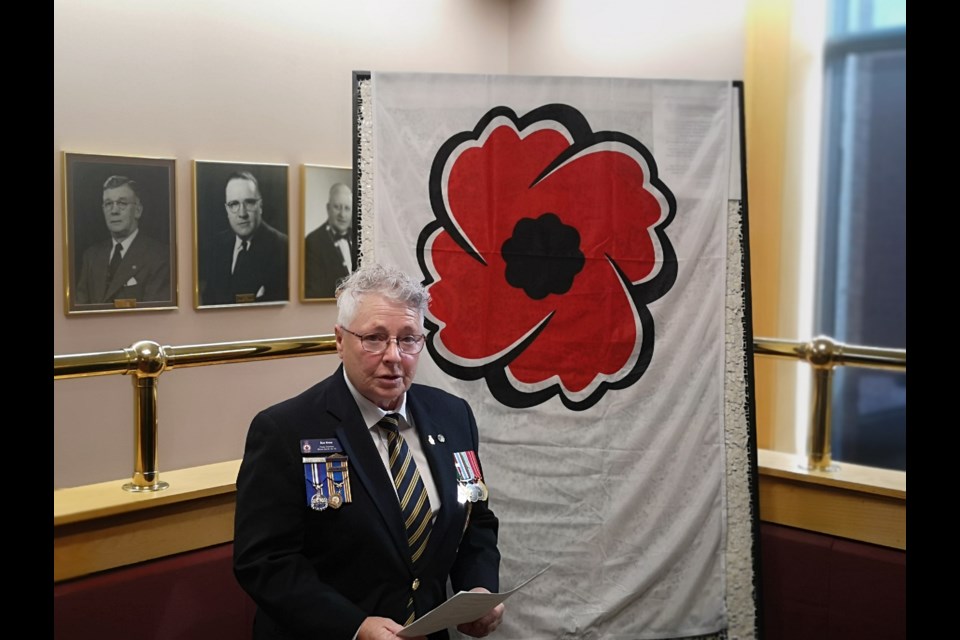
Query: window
[861, 279]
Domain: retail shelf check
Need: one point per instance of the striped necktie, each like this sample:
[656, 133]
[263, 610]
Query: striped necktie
[414, 503]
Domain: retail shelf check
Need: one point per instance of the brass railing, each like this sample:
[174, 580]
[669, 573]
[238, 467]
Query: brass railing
[824, 355]
[146, 361]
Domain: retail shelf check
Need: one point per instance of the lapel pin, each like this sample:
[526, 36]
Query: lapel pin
[441, 438]
[430, 440]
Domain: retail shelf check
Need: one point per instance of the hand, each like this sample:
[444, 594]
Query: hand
[374, 628]
[480, 627]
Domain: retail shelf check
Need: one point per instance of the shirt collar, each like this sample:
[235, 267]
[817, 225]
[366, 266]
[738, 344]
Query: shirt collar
[372, 413]
[335, 235]
[126, 242]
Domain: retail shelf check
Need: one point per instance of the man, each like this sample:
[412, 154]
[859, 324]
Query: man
[249, 262]
[329, 251]
[130, 267]
[323, 543]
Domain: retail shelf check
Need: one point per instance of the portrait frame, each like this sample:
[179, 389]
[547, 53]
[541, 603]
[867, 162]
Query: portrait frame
[145, 279]
[215, 238]
[319, 259]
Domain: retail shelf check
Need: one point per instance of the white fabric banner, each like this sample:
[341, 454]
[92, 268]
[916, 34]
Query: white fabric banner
[573, 235]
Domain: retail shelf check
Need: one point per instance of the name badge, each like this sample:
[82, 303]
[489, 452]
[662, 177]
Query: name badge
[320, 446]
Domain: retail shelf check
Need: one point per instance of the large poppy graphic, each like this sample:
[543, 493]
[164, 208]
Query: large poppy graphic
[549, 243]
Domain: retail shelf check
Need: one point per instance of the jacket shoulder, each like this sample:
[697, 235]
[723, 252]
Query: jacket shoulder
[309, 404]
[275, 235]
[427, 394]
[148, 246]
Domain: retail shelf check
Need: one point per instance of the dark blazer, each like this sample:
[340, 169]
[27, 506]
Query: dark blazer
[266, 267]
[323, 263]
[318, 574]
[143, 274]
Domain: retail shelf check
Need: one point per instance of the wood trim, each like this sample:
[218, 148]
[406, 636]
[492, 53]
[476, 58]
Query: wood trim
[89, 502]
[100, 527]
[766, 65]
[861, 503]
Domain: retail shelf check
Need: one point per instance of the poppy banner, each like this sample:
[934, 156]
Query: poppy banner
[581, 240]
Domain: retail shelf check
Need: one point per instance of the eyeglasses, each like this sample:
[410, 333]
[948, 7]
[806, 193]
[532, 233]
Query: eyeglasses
[123, 205]
[248, 203]
[378, 342]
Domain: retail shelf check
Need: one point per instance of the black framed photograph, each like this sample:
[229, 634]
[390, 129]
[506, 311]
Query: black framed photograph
[329, 251]
[241, 232]
[119, 233]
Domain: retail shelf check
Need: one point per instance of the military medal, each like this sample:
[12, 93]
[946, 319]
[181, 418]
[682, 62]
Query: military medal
[338, 480]
[318, 502]
[327, 476]
[473, 492]
[316, 479]
[470, 485]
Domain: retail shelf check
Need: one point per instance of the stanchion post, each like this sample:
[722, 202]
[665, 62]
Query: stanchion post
[151, 361]
[821, 353]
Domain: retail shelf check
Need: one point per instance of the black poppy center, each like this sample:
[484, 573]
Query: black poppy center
[543, 256]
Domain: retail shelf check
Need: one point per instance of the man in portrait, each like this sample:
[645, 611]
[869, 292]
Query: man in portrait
[329, 251]
[130, 266]
[248, 262]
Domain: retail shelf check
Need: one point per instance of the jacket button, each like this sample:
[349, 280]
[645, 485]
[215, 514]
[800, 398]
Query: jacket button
[416, 584]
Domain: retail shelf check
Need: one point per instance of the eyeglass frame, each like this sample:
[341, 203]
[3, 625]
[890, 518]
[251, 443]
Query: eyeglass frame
[120, 204]
[249, 204]
[421, 340]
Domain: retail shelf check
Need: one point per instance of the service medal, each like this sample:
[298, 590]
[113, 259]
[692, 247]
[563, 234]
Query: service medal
[474, 492]
[469, 479]
[319, 502]
[338, 480]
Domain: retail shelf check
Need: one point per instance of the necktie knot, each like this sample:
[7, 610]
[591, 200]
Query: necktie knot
[391, 422]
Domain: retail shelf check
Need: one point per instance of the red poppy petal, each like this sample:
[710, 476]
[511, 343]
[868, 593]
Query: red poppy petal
[480, 314]
[594, 335]
[602, 194]
[486, 183]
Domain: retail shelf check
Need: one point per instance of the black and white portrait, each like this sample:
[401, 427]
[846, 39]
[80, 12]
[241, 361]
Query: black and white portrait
[330, 238]
[119, 233]
[242, 233]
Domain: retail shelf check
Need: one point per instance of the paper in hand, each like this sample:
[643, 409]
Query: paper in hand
[465, 606]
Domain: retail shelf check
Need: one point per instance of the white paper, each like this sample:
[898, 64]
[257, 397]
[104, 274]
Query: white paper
[464, 606]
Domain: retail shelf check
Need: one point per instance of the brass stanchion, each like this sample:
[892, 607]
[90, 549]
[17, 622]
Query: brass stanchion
[824, 354]
[151, 362]
[820, 355]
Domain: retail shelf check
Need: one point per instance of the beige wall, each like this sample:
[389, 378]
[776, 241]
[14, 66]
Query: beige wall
[248, 81]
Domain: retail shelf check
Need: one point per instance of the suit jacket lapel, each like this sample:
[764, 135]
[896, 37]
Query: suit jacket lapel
[365, 462]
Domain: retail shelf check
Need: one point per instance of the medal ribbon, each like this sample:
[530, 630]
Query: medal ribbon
[339, 478]
[316, 477]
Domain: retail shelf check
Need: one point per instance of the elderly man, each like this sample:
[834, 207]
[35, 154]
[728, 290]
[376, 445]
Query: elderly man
[248, 263]
[328, 249]
[129, 268]
[360, 497]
